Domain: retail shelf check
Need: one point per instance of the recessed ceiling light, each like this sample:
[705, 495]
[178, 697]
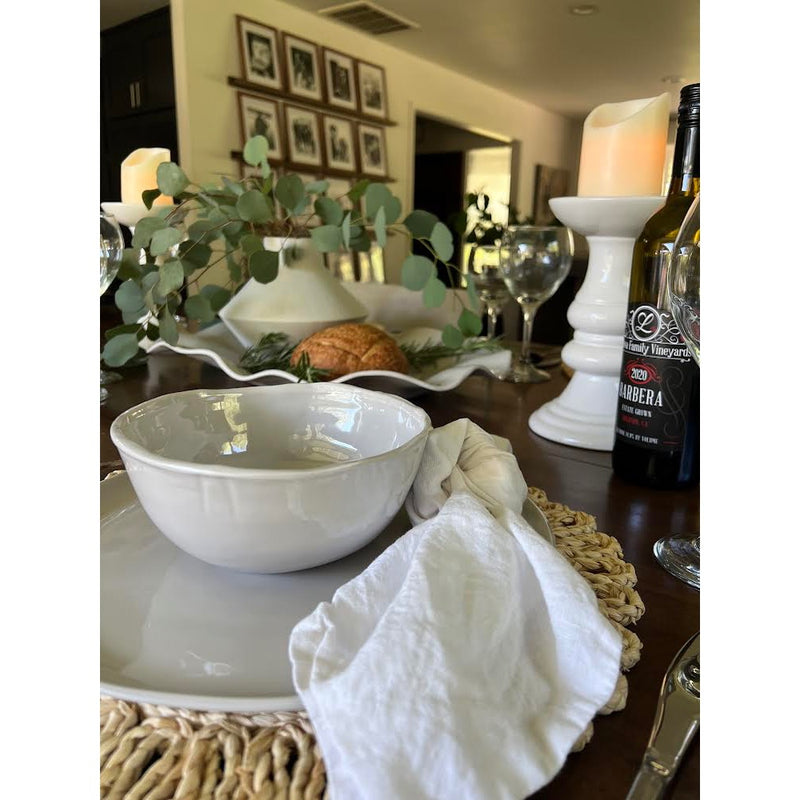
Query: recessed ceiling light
[672, 79]
[584, 10]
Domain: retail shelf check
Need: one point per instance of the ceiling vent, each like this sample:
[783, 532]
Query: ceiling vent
[368, 17]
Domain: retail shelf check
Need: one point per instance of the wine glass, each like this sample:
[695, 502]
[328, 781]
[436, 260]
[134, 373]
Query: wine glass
[484, 266]
[534, 260]
[112, 245]
[680, 554]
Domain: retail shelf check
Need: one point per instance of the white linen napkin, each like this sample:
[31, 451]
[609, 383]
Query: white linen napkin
[466, 660]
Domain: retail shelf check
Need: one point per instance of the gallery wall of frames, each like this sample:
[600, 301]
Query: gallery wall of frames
[322, 112]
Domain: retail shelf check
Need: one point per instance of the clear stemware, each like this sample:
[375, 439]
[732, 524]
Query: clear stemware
[534, 261]
[112, 245]
[680, 554]
[483, 264]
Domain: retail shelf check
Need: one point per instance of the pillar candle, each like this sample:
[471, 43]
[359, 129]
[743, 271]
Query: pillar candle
[624, 147]
[138, 173]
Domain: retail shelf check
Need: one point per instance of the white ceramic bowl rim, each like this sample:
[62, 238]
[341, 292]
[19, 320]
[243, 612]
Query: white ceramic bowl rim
[126, 444]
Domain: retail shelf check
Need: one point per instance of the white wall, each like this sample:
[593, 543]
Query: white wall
[205, 53]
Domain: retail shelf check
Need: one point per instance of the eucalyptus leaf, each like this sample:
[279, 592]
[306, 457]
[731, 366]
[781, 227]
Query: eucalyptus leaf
[129, 267]
[149, 196]
[168, 327]
[289, 191]
[264, 266]
[416, 271]
[164, 240]
[434, 293]
[377, 196]
[469, 323]
[203, 230]
[252, 206]
[380, 226]
[129, 296]
[317, 187]
[250, 243]
[451, 336]
[171, 179]
[346, 230]
[442, 241]
[120, 349]
[198, 307]
[194, 255]
[144, 230]
[329, 211]
[327, 238]
[233, 187]
[472, 293]
[119, 330]
[357, 190]
[360, 242]
[420, 223]
[170, 276]
[217, 296]
[256, 150]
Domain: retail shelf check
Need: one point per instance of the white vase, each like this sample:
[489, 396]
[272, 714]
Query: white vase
[304, 298]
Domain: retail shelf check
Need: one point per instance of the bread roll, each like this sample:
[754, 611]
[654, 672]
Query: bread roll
[352, 347]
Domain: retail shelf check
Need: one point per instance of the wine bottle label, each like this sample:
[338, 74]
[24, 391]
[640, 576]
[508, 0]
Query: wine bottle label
[657, 378]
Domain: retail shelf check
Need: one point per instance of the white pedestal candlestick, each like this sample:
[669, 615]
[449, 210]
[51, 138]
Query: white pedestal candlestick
[584, 414]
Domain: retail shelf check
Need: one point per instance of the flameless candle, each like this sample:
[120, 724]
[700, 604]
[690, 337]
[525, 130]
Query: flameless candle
[624, 147]
[138, 173]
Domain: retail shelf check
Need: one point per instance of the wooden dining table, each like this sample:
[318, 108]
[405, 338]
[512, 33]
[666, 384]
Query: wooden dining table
[578, 478]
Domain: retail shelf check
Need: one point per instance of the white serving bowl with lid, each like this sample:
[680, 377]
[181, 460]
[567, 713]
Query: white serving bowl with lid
[272, 478]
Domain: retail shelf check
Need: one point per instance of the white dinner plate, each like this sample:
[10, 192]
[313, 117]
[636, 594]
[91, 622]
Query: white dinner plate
[216, 345]
[176, 631]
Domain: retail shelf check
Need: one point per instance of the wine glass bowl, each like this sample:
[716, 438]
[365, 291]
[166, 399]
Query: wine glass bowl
[483, 264]
[534, 261]
[680, 555]
[112, 245]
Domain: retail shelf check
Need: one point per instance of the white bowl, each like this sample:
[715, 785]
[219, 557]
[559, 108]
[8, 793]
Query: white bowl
[272, 478]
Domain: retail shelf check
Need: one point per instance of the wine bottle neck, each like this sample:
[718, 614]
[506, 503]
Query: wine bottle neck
[686, 162]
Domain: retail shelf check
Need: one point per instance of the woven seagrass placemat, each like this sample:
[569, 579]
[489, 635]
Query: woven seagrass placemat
[150, 752]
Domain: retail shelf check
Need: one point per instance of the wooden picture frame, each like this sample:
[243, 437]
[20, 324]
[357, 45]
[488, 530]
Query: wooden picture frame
[372, 150]
[303, 138]
[340, 80]
[303, 75]
[259, 116]
[371, 80]
[548, 182]
[260, 53]
[340, 144]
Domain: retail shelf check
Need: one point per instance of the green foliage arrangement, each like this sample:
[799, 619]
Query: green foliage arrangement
[209, 224]
[486, 230]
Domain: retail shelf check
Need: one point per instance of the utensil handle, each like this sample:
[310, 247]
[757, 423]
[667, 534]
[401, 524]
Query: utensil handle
[649, 783]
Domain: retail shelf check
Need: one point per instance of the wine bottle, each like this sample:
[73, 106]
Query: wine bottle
[657, 434]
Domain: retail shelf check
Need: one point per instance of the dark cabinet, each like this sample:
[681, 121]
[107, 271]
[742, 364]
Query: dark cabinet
[137, 94]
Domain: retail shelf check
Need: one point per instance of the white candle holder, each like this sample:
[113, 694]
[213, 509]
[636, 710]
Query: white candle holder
[128, 214]
[584, 414]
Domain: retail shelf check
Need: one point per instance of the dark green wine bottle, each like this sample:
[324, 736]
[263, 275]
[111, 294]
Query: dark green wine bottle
[657, 435]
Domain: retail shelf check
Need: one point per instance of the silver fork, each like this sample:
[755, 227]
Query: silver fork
[677, 720]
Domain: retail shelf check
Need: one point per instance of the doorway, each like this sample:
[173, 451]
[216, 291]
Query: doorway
[449, 162]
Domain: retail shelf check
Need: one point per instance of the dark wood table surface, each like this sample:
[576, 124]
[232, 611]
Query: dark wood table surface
[582, 480]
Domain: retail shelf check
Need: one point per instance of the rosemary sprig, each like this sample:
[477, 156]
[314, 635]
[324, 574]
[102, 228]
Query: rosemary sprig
[423, 355]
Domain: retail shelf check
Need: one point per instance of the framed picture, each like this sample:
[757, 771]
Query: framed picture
[302, 67]
[340, 145]
[259, 116]
[340, 80]
[372, 147]
[259, 53]
[548, 182]
[303, 137]
[372, 90]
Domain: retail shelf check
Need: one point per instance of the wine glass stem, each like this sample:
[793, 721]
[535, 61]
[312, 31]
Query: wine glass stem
[491, 326]
[528, 313]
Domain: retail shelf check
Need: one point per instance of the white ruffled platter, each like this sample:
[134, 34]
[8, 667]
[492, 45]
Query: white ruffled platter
[216, 345]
